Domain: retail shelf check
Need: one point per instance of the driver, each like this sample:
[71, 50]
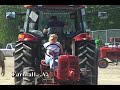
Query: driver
[54, 22]
[53, 50]
[55, 26]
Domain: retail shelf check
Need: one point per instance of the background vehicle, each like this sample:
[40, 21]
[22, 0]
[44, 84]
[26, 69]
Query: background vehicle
[9, 50]
[111, 52]
[78, 43]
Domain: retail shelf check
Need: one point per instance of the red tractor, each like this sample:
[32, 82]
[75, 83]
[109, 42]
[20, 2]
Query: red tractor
[77, 67]
[110, 52]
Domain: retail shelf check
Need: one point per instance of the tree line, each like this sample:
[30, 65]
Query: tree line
[112, 22]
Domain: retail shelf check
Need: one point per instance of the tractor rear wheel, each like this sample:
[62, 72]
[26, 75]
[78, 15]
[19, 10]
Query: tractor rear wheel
[103, 63]
[88, 55]
[23, 60]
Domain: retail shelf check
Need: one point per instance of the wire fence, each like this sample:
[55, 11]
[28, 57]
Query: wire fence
[106, 34]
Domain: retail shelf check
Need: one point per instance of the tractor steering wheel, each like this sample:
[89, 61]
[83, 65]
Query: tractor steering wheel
[53, 51]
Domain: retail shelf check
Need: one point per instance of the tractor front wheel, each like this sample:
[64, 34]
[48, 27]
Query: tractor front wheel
[29, 78]
[103, 63]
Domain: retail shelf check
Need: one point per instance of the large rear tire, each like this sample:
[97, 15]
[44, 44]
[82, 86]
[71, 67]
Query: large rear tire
[23, 60]
[18, 63]
[88, 55]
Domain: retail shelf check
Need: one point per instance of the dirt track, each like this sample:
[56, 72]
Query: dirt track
[107, 76]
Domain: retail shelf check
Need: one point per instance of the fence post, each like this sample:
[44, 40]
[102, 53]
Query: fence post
[106, 36]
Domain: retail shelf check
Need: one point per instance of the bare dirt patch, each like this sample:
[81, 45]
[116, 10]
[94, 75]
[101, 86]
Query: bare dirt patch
[109, 75]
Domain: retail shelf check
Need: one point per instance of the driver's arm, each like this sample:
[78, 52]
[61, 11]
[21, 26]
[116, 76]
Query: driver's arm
[45, 30]
[61, 48]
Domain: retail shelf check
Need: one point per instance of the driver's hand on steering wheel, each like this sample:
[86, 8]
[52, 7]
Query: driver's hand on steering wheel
[45, 31]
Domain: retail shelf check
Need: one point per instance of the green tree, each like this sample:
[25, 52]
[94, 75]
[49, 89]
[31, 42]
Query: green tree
[112, 22]
[9, 28]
